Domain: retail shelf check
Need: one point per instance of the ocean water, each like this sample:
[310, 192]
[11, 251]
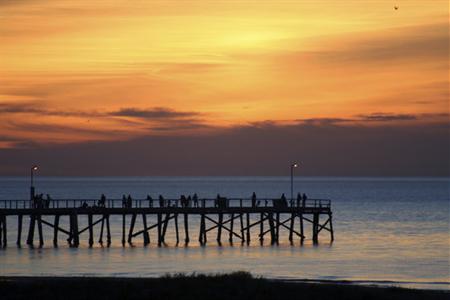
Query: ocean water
[392, 231]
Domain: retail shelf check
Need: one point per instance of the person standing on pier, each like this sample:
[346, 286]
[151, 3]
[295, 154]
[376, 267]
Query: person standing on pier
[195, 198]
[129, 201]
[41, 201]
[124, 201]
[304, 200]
[161, 201]
[216, 201]
[283, 201]
[189, 201]
[254, 199]
[47, 201]
[35, 201]
[299, 199]
[102, 201]
[150, 201]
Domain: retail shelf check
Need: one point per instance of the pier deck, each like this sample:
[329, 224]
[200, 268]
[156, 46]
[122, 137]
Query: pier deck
[234, 216]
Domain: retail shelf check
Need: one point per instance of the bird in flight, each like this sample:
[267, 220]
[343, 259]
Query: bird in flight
[396, 7]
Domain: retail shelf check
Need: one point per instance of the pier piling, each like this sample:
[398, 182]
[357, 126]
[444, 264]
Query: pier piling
[261, 229]
[130, 232]
[30, 237]
[19, 230]
[159, 230]
[186, 229]
[55, 231]
[146, 234]
[219, 230]
[230, 237]
[123, 229]
[315, 228]
[108, 232]
[100, 239]
[91, 231]
[41, 237]
[3, 232]
[248, 229]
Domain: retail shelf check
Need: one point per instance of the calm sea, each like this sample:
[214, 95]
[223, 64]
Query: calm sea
[387, 230]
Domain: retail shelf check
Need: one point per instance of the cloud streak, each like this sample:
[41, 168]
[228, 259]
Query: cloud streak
[387, 117]
[153, 113]
[157, 113]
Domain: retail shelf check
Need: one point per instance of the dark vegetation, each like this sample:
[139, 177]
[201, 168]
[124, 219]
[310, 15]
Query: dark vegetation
[235, 286]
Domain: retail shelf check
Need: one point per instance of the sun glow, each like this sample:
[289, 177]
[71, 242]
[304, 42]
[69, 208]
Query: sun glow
[69, 66]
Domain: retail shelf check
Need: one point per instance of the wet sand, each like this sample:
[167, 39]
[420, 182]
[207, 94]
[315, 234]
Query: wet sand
[233, 286]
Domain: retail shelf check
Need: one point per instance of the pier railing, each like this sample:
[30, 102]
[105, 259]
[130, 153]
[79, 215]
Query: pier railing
[164, 203]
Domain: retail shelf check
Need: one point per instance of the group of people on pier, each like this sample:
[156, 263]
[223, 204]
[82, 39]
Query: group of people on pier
[190, 201]
[127, 202]
[38, 201]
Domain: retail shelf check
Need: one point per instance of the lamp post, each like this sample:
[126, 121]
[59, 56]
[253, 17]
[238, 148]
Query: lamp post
[293, 165]
[33, 168]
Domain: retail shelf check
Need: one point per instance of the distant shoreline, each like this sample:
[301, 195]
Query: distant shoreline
[238, 285]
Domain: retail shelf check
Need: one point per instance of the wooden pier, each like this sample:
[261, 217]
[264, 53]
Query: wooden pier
[233, 217]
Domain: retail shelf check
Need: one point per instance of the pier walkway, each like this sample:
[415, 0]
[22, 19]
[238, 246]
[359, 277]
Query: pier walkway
[233, 216]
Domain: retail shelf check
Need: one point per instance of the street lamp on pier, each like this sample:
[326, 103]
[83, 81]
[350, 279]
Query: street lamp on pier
[33, 168]
[293, 165]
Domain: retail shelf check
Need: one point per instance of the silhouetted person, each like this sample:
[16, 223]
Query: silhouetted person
[195, 198]
[129, 201]
[216, 202]
[189, 201]
[47, 201]
[221, 202]
[150, 201]
[283, 201]
[85, 205]
[183, 201]
[37, 201]
[161, 201]
[258, 204]
[254, 199]
[102, 201]
[266, 202]
[304, 200]
[41, 200]
[124, 201]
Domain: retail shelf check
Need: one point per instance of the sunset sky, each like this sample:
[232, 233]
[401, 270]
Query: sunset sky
[80, 76]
